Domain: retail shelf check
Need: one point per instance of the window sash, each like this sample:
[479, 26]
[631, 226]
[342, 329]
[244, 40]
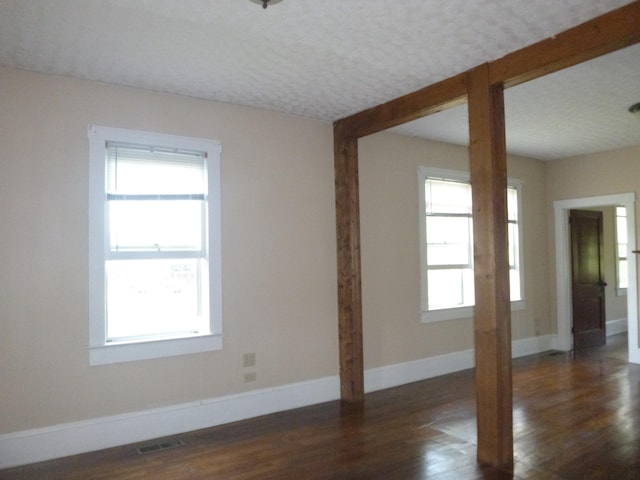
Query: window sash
[137, 307]
[179, 175]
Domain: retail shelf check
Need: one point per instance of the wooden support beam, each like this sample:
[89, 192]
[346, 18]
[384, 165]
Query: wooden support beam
[434, 98]
[349, 271]
[492, 311]
[604, 34]
[612, 31]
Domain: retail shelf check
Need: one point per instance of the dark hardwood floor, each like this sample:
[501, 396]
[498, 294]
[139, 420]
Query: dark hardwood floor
[576, 416]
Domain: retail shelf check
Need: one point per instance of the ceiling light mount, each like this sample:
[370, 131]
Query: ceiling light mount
[266, 3]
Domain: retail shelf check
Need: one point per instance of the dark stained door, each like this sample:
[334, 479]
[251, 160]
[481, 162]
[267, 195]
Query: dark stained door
[587, 279]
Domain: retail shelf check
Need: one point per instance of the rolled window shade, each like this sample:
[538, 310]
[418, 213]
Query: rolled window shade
[150, 170]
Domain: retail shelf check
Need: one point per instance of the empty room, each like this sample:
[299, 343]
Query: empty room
[415, 253]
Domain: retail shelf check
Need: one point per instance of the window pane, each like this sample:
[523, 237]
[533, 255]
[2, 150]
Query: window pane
[621, 226]
[514, 285]
[448, 240]
[450, 288]
[512, 204]
[623, 274]
[513, 245]
[443, 196]
[448, 255]
[155, 297]
[156, 225]
[622, 250]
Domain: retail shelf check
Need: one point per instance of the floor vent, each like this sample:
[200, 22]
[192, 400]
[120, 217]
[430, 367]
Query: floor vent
[156, 447]
[554, 353]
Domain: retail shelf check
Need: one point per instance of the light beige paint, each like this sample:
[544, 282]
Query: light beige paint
[605, 173]
[390, 250]
[279, 263]
[278, 244]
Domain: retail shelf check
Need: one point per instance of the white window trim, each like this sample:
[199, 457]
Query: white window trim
[101, 353]
[429, 316]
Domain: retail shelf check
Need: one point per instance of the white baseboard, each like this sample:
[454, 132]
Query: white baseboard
[616, 326]
[403, 373]
[40, 444]
[530, 346]
[30, 446]
[613, 328]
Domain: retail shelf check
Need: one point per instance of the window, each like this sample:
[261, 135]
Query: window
[446, 244]
[622, 275]
[154, 250]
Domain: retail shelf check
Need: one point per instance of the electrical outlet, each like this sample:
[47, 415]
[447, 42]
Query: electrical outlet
[249, 360]
[250, 377]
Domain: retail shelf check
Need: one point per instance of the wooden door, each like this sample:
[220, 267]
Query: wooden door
[587, 279]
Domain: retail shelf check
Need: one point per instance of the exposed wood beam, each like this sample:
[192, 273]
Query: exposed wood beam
[434, 98]
[604, 34]
[349, 271]
[492, 311]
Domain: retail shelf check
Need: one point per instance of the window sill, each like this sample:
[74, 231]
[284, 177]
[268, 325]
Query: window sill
[433, 316]
[130, 352]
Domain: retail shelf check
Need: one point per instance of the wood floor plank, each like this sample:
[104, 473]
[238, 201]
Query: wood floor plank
[576, 416]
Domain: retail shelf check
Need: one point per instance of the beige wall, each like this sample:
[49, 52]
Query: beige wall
[606, 173]
[279, 273]
[278, 235]
[390, 250]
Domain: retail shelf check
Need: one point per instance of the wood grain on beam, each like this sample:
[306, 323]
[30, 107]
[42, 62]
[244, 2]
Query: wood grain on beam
[492, 311]
[434, 98]
[349, 271]
[604, 34]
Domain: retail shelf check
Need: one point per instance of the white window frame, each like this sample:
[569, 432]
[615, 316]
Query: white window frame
[101, 352]
[426, 315]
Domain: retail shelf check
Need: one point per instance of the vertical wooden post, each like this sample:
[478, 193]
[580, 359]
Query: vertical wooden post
[492, 312]
[349, 270]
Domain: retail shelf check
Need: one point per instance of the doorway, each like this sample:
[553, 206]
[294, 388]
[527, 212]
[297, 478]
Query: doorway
[563, 340]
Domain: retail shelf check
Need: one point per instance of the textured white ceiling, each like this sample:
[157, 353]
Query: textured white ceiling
[322, 59]
[576, 111]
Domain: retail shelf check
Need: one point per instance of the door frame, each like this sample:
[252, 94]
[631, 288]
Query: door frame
[563, 267]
